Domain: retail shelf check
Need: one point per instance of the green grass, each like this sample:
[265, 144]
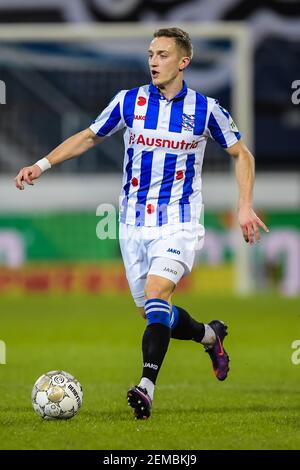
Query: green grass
[98, 340]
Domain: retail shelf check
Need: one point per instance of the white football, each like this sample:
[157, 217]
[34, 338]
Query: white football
[56, 395]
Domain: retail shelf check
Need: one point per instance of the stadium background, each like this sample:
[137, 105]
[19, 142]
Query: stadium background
[48, 242]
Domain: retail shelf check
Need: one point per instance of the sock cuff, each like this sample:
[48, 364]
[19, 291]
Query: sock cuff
[174, 317]
[157, 311]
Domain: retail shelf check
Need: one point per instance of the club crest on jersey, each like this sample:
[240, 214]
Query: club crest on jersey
[188, 121]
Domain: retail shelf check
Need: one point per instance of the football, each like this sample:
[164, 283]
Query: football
[56, 395]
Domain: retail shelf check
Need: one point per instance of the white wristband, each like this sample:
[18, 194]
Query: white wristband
[43, 164]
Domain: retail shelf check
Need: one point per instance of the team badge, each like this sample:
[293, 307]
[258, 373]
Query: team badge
[188, 121]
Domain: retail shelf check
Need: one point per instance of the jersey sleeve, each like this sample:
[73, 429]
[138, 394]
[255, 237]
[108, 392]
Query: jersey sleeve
[111, 119]
[221, 126]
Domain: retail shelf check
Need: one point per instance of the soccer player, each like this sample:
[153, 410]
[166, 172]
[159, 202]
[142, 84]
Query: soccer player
[166, 129]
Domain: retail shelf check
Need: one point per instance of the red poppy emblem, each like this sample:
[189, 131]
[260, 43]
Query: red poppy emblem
[141, 101]
[150, 208]
[179, 174]
[134, 181]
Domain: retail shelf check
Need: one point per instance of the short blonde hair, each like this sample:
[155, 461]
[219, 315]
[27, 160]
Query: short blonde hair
[181, 38]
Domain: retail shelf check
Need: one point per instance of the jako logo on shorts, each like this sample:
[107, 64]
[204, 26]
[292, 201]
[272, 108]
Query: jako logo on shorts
[169, 270]
[172, 250]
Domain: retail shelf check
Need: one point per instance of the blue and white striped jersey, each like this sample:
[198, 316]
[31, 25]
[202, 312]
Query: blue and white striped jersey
[164, 148]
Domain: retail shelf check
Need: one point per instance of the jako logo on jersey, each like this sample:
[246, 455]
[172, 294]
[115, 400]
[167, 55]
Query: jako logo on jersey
[151, 366]
[169, 270]
[172, 250]
[139, 117]
[154, 142]
[141, 101]
[188, 121]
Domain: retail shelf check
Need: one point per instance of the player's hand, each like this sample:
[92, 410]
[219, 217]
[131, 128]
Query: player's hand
[250, 225]
[27, 175]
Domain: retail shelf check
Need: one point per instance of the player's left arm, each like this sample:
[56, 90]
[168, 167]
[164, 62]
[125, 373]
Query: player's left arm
[249, 222]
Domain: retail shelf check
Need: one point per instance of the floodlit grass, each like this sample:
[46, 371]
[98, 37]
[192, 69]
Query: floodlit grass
[98, 339]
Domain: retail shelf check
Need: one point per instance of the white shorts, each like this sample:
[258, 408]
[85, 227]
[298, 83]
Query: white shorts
[140, 245]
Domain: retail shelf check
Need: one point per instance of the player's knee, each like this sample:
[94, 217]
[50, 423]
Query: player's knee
[157, 290]
[155, 293]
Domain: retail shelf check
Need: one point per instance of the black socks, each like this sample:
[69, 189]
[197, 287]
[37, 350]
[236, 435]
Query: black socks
[185, 327]
[155, 345]
[161, 327]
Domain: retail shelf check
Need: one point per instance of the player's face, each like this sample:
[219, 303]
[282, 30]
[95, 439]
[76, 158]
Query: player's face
[165, 61]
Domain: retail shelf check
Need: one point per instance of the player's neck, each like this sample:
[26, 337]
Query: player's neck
[171, 89]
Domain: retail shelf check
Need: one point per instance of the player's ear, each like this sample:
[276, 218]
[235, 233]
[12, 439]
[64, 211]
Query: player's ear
[184, 63]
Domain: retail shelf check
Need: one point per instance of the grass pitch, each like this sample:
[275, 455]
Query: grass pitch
[98, 339]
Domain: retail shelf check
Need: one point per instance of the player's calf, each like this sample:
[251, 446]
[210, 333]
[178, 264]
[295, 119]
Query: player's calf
[211, 335]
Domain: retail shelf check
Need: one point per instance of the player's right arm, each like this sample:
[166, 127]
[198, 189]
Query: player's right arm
[70, 148]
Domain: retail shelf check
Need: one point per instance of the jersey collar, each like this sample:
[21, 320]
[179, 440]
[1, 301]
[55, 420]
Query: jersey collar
[155, 92]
